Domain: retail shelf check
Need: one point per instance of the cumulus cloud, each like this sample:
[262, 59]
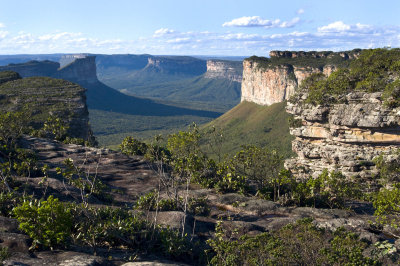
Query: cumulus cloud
[2, 25]
[256, 21]
[162, 32]
[340, 26]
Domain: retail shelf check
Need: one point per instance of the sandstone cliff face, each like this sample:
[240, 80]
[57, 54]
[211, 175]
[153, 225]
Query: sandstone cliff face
[274, 80]
[266, 86]
[344, 137]
[231, 70]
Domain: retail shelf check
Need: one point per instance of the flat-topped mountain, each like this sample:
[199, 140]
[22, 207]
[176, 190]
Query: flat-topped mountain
[42, 97]
[271, 80]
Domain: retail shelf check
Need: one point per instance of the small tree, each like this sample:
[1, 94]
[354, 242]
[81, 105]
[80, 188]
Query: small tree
[132, 146]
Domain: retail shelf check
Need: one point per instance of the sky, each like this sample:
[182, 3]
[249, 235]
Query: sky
[193, 27]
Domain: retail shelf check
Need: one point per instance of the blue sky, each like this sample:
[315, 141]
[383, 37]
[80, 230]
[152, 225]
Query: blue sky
[191, 27]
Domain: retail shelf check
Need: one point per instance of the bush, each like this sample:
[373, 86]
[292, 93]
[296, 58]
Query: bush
[300, 243]
[132, 146]
[331, 190]
[387, 205]
[48, 223]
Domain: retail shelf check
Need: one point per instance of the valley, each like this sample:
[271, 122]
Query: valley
[304, 156]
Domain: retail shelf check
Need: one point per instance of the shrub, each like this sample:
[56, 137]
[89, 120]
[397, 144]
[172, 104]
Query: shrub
[55, 128]
[48, 223]
[132, 146]
[387, 205]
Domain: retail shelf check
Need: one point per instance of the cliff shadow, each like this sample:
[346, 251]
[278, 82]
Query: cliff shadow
[102, 97]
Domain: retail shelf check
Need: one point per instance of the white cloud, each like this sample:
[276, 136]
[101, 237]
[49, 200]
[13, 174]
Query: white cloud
[337, 26]
[334, 36]
[341, 27]
[163, 31]
[300, 11]
[256, 21]
[2, 25]
[179, 40]
[3, 34]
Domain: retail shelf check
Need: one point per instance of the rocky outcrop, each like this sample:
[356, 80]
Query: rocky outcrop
[231, 70]
[346, 136]
[272, 80]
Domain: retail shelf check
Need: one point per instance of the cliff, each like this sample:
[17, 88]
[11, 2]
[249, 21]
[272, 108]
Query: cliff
[272, 80]
[344, 137]
[77, 68]
[80, 70]
[176, 65]
[45, 96]
[230, 70]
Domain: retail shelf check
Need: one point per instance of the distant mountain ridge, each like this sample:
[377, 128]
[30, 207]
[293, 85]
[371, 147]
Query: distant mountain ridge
[99, 95]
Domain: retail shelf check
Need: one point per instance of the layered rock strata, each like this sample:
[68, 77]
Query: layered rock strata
[266, 81]
[345, 136]
[274, 84]
[231, 70]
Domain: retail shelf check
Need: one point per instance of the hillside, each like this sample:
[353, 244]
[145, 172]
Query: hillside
[216, 90]
[249, 123]
[41, 97]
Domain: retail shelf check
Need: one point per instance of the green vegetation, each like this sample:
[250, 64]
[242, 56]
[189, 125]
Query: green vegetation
[375, 70]
[387, 200]
[198, 89]
[250, 124]
[307, 60]
[300, 243]
[110, 128]
[48, 223]
[40, 98]
[52, 224]
[6, 76]
[251, 171]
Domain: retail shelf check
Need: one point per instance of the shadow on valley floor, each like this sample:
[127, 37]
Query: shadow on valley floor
[102, 97]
